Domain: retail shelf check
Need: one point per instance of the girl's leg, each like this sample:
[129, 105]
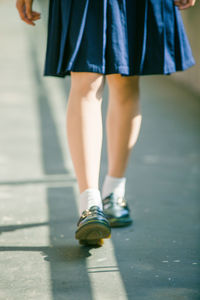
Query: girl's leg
[123, 125]
[84, 130]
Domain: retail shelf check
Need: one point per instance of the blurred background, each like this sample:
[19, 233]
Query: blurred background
[191, 21]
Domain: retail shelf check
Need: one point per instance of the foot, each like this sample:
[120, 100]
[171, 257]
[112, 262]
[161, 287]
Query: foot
[116, 210]
[93, 227]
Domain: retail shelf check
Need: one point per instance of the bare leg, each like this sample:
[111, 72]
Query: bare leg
[84, 126]
[123, 121]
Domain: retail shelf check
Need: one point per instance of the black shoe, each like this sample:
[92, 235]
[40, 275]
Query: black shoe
[93, 226]
[116, 210]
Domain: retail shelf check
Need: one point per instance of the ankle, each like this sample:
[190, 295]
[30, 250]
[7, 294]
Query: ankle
[114, 185]
[89, 197]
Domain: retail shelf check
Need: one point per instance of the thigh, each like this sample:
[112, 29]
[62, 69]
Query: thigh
[122, 84]
[87, 82]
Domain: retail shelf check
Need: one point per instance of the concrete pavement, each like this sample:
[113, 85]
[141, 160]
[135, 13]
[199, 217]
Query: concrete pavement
[156, 258]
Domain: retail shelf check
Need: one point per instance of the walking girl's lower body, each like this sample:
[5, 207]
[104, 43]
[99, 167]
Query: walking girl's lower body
[84, 132]
[115, 41]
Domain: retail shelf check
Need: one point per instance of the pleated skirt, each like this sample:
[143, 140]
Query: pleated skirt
[130, 37]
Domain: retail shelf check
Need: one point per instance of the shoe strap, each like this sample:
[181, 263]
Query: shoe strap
[113, 199]
[91, 212]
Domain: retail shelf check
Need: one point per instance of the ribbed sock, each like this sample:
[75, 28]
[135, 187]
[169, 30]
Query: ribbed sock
[113, 184]
[88, 198]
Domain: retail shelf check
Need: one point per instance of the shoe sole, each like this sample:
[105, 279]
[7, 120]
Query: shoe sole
[93, 233]
[117, 222]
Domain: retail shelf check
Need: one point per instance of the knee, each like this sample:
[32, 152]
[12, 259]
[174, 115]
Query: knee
[87, 83]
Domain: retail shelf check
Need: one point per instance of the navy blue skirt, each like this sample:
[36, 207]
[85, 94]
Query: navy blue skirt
[130, 37]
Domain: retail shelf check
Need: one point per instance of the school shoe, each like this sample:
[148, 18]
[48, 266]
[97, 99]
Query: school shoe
[116, 210]
[93, 227]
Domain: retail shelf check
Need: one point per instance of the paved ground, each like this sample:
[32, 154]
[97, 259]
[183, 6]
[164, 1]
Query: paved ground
[156, 258]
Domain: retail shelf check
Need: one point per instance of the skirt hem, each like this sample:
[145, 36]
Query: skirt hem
[123, 70]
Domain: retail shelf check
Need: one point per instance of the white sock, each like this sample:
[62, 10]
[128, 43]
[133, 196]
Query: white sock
[88, 198]
[113, 184]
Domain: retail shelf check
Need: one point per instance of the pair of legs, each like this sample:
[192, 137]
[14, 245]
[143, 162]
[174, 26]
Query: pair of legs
[84, 124]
